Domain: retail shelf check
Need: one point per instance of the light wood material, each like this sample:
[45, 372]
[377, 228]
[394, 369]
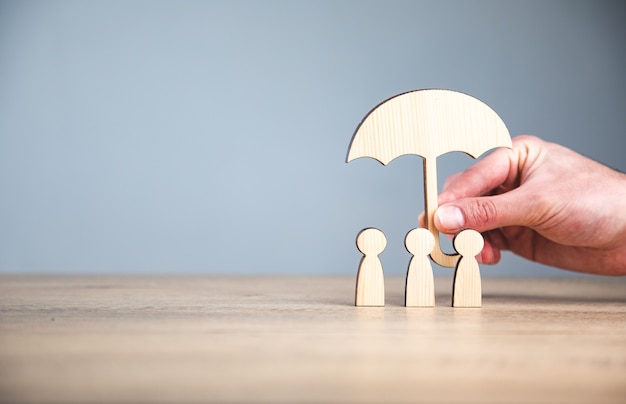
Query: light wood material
[429, 123]
[467, 290]
[420, 286]
[370, 282]
[291, 339]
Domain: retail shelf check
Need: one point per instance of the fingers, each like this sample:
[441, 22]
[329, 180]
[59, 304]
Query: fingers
[494, 243]
[466, 200]
[484, 176]
[489, 255]
[483, 213]
[486, 197]
[421, 219]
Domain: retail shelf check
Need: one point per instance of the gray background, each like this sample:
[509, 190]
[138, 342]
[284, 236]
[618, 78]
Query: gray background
[210, 137]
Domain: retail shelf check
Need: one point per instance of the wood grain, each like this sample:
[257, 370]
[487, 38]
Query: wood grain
[429, 123]
[466, 289]
[420, 285]
[370, 281]
[173, 339]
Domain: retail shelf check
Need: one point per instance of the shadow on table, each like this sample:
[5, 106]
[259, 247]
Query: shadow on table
[538, 299]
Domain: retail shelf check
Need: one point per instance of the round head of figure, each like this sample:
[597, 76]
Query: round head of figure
[371, 241]
[419, 242]
[469, 243]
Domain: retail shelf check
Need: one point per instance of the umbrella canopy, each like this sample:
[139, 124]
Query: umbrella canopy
[429, 123]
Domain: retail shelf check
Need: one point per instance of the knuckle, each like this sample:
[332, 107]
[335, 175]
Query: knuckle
[521, 139]
[483, 213]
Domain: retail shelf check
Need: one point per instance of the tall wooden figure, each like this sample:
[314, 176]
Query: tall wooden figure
[467, 291]
[420, 287]
[370, 282]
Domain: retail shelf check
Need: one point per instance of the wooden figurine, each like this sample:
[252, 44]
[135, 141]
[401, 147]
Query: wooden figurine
[370, 282]
[467, 291]
[420, 287]
[429, 123]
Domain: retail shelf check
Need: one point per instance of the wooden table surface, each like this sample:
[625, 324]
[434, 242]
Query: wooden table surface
[300, 339]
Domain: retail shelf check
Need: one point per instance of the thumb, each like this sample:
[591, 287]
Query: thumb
[481, 214]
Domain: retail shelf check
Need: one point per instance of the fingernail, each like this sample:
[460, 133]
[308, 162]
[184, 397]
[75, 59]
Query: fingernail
[450, 217]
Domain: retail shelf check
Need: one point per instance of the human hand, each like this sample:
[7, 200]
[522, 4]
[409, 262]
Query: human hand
[543, 202]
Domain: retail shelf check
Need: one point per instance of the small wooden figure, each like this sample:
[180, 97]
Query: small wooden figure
[467, 291]
[370, 282]
[420, 287]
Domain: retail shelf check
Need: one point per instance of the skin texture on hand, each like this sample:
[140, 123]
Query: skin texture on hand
[543, 202]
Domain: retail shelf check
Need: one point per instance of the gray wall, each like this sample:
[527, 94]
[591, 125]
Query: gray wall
[210, 137]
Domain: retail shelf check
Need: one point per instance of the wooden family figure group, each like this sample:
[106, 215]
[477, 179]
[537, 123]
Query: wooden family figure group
[427, 123]
[420, 287]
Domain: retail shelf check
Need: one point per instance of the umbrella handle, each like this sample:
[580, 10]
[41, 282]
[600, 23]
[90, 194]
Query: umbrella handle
[430, 201]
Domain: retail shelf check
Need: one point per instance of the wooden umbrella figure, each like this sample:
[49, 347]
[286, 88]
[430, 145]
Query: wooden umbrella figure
[429, 123]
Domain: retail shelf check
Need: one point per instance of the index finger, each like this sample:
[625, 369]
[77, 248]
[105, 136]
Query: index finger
[484, 176]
